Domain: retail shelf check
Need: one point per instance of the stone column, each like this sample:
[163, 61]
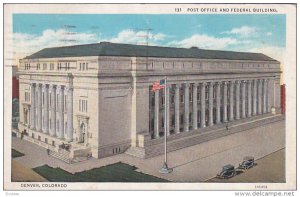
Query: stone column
[39, 107]
[237, 100]
[195, 108]
[265, 92]
[259, 96]
[167, 105]
[69, 114]
[156, 114]
[46, 109]
[53, 110]
[218, 103]
[32, 110]
[243, 99]
[177, 109]
[210, 104]
[249, 98]
[61, 111]
[202, 107]
[225, 102]
[254, 97]
[186, 107]
[231, 90]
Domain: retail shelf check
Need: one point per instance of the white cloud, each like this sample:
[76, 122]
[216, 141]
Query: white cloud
[26, 44]
[206, 42]
[137, 37]
[244, 31]
[274, 52]
[269, 33]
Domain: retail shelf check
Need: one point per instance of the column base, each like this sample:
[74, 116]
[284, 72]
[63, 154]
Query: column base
[165, 169]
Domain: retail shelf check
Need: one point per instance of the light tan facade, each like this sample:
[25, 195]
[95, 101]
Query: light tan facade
[103, 105]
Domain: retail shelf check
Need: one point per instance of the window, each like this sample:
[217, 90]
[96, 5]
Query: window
[82, 105]
[181, 98]
[51, 66]
[67, 66]
[83, 66]
[44, 66]
[27, 96]
[181, 119]
[38, 66]
[58, 66]
[162, 122]
[172, 99]
[173, 120]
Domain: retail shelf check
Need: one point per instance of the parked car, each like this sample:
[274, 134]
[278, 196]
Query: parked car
[228, 171]
[248, 162]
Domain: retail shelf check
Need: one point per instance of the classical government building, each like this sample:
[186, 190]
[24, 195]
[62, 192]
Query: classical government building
[95, 100]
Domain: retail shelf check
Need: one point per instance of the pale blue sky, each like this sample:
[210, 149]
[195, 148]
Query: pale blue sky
[224, 32]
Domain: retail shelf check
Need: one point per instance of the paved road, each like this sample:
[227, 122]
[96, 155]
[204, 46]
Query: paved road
[193, 164]
[269, 169]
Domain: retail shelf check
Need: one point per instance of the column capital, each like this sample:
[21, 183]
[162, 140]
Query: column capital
[237, 81]
[203, 83]
[45, 86]
[177, 85]
[60, 87]
[33, 84]
[52, 86]
[187, 85]
[68, 89]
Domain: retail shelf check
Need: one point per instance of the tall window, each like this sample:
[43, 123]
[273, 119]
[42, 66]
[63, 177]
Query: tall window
[83, 105]
[27, 96]
[44, 66]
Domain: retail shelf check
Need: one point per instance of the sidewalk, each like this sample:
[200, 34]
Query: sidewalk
[193, 164]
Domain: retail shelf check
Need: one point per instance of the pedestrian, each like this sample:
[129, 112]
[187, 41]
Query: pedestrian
[48, 151]
[227, 127]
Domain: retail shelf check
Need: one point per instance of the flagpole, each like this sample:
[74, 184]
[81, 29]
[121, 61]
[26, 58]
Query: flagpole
[165, 169]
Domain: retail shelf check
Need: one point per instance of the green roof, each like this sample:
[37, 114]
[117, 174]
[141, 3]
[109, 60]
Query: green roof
[129, 50]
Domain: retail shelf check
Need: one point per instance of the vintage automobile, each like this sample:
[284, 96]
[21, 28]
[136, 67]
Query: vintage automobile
[248, 162]
[228, 171]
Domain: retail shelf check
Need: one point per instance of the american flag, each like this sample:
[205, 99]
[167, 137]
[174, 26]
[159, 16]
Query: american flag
[159, 85]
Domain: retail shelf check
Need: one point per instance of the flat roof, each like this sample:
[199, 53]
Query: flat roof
[129, 50]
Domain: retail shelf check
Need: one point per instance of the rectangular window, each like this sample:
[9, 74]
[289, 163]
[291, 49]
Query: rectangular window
[181, 119]
[173, 120]
[51, 66]
[82, 105]
[27, 96]
[44, 66]
[181, 98]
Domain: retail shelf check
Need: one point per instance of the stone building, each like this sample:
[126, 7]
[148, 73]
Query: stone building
[96, 99]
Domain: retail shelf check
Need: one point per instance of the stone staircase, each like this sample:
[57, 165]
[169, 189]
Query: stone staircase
[200, 137]
[61, 155]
